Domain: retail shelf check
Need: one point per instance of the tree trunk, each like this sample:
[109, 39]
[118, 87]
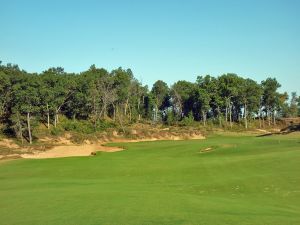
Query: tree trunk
[259, 117]
[48, 117]
[156, 111]
[245, 116]
[55, 120]
[219, 116]
[21, 135]
[204, 117]
[20, 132]
[226, 112]
[101, 113]
[104, 110]
[94, 107]
[29, 128]
[138, 109]
[126, 106]
[274, 118]
[114, 112]
[121, 122]
[129, 109]
[117, 110]
[230, 114]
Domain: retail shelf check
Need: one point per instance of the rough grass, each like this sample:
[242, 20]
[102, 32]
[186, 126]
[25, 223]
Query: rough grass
[244, 180]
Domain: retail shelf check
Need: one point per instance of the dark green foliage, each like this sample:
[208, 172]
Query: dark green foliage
[85, 126]
[95, 96]
[293, 109]
[188, 120]
[298, 105]
[56, 131]
[170, 118]
[160, 95]
[181, 94]
[105, 124]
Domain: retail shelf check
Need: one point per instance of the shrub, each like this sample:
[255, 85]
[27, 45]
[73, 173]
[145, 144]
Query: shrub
[170, 118]
[86, 127]
[78, 138]
[105, 124]
[80, 126]
[188, 120]
[56, 131]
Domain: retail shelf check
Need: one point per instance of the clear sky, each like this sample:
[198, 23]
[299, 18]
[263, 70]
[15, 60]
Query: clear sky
[158, 39]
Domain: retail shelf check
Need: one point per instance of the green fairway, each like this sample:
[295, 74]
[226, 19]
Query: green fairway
[243, 180]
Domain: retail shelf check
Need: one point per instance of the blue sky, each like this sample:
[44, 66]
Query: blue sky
[168, 40]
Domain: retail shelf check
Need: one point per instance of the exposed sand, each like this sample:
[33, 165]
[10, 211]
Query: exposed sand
[67, 149]
[70, 151]
[263, 131]
[8, 143]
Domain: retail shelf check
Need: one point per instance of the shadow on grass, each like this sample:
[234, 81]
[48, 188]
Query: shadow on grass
[284, 131]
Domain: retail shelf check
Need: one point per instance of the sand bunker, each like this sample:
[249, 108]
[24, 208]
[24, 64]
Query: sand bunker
[67, 149]
[70, 151]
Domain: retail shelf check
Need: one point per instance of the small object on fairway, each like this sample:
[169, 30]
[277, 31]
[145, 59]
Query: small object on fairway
[206, 150]
[93, 153]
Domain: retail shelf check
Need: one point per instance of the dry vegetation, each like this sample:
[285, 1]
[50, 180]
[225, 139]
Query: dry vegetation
[74, 144]
[69, 144]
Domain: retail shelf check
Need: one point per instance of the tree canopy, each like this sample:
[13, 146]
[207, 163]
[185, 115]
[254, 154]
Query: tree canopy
[97, 94]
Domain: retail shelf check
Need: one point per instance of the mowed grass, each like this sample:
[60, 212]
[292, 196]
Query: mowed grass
[244, 180]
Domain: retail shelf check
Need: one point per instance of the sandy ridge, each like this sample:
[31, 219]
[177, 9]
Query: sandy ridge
[68, 149]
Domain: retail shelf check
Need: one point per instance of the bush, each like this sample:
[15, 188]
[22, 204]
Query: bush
[188, 120]
[78, 138]
[170, 118]
[104, 124]
[56, 131]
[80, 126]
[86, 127]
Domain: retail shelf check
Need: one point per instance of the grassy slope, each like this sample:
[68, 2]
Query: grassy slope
[246, 180]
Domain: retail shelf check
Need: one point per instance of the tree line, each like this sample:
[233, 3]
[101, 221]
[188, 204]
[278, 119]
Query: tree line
[96, 95]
